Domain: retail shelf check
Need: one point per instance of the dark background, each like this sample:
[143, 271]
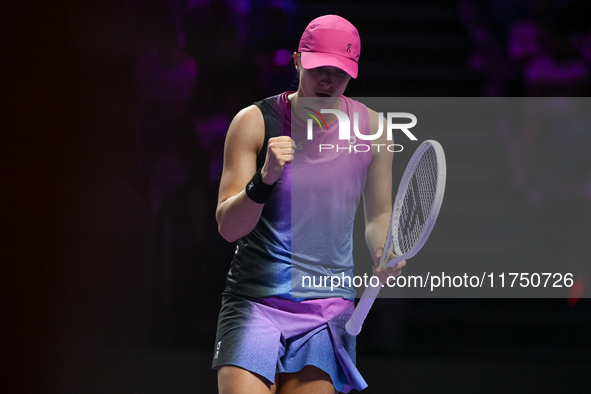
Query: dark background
[114, 268]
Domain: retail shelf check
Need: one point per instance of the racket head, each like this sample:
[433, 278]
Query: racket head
[418, 202]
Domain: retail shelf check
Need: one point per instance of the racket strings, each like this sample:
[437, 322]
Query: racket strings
[418, 199]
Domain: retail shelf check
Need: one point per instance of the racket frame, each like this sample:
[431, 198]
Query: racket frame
[355, 323]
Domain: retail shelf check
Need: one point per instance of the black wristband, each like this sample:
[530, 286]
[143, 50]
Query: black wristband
[257, 190]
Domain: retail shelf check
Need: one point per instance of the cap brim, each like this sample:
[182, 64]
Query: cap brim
[320, 59]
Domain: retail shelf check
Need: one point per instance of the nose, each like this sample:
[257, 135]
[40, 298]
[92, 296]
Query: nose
[326, 80]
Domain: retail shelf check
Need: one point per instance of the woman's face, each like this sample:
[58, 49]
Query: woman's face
[325, 81]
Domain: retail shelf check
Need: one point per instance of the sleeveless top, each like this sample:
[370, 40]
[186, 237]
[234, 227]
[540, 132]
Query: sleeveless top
[303, 242]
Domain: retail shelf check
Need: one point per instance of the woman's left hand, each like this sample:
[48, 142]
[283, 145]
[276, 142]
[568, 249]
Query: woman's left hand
[383, 273]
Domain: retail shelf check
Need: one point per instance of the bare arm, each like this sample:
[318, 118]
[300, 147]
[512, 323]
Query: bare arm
[236, 213]
[378, 199]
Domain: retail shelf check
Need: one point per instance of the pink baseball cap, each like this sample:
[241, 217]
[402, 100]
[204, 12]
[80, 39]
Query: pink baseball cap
[331, 40]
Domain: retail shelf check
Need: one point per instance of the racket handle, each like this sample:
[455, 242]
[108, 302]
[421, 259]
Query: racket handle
[354, 324]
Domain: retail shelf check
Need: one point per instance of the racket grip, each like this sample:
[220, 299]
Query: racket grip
[355, 323]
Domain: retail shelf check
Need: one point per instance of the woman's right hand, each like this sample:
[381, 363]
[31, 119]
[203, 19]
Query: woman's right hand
[280, 151]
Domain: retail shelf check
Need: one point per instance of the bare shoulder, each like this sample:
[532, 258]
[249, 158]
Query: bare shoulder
[246, 131]
[250, 115]
[248, 120]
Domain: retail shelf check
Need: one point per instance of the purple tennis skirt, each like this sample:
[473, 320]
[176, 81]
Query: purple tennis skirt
[275, 335]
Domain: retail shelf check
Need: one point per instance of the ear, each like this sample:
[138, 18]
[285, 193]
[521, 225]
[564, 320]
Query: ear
[295, 61]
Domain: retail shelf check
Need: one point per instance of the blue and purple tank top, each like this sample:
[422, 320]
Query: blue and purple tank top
[305, 232]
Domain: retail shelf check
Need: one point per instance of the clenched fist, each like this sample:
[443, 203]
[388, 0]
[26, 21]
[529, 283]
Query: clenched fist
[280, 151]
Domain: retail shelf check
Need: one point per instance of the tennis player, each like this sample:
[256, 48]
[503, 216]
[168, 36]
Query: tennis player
[290, 208]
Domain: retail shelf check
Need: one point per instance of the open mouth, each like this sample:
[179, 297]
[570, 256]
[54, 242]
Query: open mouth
[322, 95]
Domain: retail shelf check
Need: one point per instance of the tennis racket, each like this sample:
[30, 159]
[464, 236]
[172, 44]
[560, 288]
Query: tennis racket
[414, 213]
